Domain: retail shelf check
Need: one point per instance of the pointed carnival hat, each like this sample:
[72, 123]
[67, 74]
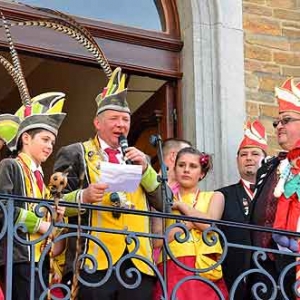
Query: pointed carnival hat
[9, 125]
[254, 136]
[42, 111]
[288, 95]
[113, 96]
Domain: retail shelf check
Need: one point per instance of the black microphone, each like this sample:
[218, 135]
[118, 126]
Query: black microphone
[124, 145]
[154, 139]
[115, 202]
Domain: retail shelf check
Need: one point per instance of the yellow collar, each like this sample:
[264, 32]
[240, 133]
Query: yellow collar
[30, 163]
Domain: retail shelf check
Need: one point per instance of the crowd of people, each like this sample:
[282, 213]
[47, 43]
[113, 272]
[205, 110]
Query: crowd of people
[30, 135]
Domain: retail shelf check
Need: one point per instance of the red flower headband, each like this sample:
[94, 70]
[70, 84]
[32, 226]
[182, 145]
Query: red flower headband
[204, 159]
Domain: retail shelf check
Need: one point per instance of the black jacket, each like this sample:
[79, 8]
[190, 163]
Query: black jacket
[12, 183]
[237, 209]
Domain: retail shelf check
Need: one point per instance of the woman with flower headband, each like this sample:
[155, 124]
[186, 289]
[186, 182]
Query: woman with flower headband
[191, 166]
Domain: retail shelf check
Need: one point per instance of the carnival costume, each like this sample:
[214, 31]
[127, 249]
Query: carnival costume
[195, 254]
[287, 191]
[22, 177]
[265, 202]
[86, 158]
[238, 205]
[288, 207]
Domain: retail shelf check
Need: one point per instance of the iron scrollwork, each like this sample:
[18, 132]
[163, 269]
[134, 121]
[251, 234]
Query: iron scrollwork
[269, 288]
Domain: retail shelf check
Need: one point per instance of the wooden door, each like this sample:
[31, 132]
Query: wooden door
[155, 116]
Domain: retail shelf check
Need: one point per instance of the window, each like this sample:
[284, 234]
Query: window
[145, 14]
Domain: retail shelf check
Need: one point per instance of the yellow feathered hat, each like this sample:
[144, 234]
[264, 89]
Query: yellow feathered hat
[113, 96]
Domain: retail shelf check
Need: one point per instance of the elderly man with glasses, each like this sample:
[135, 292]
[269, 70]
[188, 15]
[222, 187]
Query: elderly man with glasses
[287, 128]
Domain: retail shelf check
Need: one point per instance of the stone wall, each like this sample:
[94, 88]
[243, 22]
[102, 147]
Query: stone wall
[213, 80]
[272, 53]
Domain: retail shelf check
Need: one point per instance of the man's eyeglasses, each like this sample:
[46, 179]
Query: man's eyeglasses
[284, 121]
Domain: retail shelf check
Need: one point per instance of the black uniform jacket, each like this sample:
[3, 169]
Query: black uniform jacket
[12, 183]
[237, 209]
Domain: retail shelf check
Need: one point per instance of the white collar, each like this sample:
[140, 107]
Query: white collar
[247, 183]
[104, 145]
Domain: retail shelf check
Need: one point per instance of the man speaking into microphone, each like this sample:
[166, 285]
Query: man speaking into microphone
[112, 124]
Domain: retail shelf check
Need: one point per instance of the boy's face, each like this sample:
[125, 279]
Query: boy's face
[40, 146]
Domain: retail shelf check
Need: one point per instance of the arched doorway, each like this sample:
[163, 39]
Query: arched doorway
[54, 62]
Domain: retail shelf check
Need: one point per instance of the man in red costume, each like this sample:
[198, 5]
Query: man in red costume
[265, 203]
[288, 207]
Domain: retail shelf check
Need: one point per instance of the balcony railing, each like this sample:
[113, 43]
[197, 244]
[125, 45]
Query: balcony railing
[10, 233]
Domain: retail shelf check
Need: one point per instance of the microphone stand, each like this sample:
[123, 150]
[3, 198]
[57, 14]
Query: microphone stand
[156, 141]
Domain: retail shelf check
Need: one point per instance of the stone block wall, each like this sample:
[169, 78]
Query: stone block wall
[272, 53]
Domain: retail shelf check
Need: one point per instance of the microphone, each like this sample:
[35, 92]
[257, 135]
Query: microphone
[124, 145]
[154, 139]
[115, 202]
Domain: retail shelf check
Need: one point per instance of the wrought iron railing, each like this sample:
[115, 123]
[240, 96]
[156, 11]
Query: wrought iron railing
[10, 233]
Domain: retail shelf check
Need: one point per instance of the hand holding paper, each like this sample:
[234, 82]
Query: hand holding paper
[119, 177]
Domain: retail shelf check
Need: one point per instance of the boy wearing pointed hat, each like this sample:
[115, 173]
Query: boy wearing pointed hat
[238, 202]
[31, 133]
[112, 120]
[287, 127]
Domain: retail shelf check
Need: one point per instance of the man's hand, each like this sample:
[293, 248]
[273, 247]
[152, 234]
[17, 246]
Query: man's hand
[181, 206]
[60, 213]
[137, 157]
[44, 227]
[94, 192]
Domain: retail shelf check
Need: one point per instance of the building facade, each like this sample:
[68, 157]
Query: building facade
[199, 72]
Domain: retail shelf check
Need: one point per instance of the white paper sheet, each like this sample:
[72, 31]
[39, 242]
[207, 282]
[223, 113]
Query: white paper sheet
[281, 248]
[120, 177]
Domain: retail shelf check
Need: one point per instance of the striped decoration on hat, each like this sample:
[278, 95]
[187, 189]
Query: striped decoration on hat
[113, 96]
[254, 136]
[288, 95]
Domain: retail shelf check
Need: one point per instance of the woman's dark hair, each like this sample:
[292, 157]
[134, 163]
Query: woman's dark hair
[204, 158]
